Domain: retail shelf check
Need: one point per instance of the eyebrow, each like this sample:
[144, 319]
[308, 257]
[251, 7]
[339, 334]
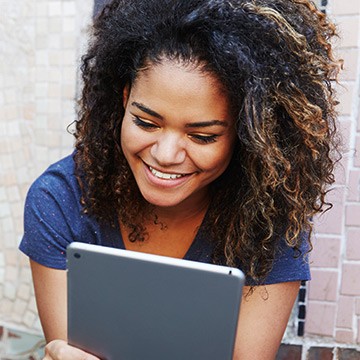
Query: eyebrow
[146, 110]
[199, 124]
[207, 124]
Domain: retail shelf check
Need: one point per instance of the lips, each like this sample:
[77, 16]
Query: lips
[166, 180]
[165, 176]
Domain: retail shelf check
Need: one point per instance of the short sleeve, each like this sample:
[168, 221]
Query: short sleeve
[51, 212]
[289, 264]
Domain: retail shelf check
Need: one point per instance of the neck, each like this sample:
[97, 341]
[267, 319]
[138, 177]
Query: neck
[183, 212]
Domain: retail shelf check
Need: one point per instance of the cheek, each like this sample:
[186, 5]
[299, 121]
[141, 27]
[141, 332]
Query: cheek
[128, 132]
[133, 139]
[215, 159]
[127, 137]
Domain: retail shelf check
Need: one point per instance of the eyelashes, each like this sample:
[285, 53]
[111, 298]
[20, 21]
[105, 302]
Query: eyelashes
[201, 139]
[143, 124]
[205, 139]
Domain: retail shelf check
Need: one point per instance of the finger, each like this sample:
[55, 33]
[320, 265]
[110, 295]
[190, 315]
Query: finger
[60, 350]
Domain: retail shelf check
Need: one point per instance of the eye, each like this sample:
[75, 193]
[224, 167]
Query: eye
[204, 139]
[144, 124]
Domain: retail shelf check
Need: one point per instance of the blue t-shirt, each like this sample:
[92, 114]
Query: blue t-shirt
[54, 218]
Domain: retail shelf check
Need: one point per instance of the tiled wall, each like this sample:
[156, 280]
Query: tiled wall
[334, 292]
[332, 325]
[39, 51]
[39, 45]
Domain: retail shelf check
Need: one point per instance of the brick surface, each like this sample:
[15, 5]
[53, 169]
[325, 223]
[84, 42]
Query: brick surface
[353, 244]
[345, 7]
[348, 354]
[326, 252]
[320, 318]
[353, 215]
[331, 221]
[24, 291]
[344, 127]
[11, 256]
[69, 8]
[36, 34]
[54, 8]
[320, 353]
[350, 282]
[20, 307]
[287, 351]
[345, 312]
[346, 26]
[357, 151]
[29, 319]
[323, 285]
[10, 290]
[350, 57]
[357, 306]
[346, 95]
[353, 188]
[344, 336]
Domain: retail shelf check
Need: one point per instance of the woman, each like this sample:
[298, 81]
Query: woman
[98, 5]
[205, 132]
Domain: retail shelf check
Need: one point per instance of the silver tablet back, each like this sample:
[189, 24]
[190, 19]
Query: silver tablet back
[125, 305]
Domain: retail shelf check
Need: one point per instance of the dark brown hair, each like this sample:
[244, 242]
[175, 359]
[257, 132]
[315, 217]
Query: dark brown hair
[275, 60]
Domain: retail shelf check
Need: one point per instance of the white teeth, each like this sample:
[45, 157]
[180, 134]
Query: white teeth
[165, 176]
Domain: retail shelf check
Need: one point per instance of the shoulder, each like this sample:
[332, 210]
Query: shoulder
[57, 177]
[290, 264]
[52, 216]
[57, 187]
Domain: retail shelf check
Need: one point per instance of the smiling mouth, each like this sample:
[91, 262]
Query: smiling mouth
[165, 176]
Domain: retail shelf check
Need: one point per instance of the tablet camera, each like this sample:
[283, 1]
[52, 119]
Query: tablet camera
[77, 256]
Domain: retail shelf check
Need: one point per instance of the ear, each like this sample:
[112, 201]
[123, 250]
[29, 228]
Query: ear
[126, 94]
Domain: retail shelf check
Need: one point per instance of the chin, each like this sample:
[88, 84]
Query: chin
[162, 201]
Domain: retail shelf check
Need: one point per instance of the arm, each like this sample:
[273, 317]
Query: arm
[51, 299]
[263, 318]
[51, 293]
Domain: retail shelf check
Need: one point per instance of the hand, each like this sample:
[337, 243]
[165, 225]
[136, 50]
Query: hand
[60, 350]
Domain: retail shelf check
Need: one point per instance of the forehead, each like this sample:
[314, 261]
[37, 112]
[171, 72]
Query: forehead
[182, 92]
[175, 84]
[177, 69]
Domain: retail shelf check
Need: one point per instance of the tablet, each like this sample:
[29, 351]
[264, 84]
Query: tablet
[126, 305]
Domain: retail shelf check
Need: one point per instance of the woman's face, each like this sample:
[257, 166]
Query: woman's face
[177, 133]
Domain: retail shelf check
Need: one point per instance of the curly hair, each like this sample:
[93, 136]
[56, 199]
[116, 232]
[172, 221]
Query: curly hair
[274, 58]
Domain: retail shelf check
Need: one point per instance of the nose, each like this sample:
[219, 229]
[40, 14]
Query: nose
[168, 150]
